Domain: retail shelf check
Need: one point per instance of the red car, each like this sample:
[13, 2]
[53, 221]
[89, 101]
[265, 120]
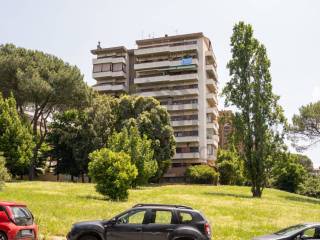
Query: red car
[16, 222]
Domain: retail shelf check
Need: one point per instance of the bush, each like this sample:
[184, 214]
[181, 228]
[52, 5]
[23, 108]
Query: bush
[290, 177]
[230, 168]
[4, 175]
[202, 174]
[311, 187]
[112, 172]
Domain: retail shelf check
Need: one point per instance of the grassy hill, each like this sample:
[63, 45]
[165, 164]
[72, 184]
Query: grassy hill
[232, 212]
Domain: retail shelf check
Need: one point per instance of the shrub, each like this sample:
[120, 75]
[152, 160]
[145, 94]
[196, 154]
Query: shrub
[290, 177]
[140, 150]
[311, 187]
[112, 172]
[4, 175]
[202, 174]
[230, 168]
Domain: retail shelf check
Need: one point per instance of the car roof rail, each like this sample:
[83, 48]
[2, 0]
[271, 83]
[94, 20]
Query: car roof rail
[161, 205]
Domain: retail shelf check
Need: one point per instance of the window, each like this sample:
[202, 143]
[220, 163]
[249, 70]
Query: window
[106, 67]
[311, 233]
[184, 217]
[210, 149]
[97, 68]
[117, 67]
[134, 217]
[162, 217]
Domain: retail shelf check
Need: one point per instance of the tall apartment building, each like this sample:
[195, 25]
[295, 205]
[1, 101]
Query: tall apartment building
[179, 71]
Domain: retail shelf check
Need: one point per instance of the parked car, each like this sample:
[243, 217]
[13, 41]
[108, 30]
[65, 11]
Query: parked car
[298, 232]
[146, 221]
[16, 222]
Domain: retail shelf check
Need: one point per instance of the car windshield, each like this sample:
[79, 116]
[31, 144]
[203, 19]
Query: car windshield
[21, 215]
[292, 229]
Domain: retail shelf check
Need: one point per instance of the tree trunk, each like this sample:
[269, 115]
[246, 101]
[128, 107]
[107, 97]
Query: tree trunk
[256, 191]
[82, 177]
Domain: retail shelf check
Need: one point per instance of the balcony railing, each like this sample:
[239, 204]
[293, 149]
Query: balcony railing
[120, 74]
[163, 93]
[187, 139]
[186, 155]
[166, 78]
[165, 63]
[108, 87]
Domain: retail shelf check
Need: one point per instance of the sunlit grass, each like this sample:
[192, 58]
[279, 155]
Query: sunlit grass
[232, 212]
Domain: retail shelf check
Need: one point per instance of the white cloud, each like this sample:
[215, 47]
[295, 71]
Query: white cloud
[316, 94]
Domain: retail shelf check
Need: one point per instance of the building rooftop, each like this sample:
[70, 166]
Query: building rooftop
[167, 38]
[110, 49]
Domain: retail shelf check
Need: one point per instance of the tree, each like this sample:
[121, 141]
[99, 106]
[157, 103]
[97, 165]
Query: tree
[305, 128]
[230, 168]
[153, 121]
[258, 114]
[72, 137]
[288, 173]
[112, 172]
[305, 161]
[16, 141]
[138, 148]
[42, 84]
[76, 133]
[4, 175]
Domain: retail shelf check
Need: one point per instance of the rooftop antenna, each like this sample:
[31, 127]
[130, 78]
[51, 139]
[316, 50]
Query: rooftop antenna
[142, 34]
[99, 45]
[152, 34]
[176, 31]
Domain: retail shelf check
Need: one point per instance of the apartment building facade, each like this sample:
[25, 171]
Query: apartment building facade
[179, 71]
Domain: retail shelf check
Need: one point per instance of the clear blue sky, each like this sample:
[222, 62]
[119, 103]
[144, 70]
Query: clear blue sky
[70, 28]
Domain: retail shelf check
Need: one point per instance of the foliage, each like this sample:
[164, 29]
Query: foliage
[76, 133]
[230, 168]
[305, 161]
[305, 128]
[250, 91]
[4, 175]
[15, 139]
[310, 187]
[202, 174]
[138, 148]
[288, 173]
[112, 172]
[42, 85]
[153, 121]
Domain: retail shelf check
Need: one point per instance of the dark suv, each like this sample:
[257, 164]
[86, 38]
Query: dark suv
[144, 222]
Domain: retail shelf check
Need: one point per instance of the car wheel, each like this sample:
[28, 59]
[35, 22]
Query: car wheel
[3, 236]
[86, 237]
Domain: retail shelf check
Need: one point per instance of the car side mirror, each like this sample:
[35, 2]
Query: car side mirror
[113, 222]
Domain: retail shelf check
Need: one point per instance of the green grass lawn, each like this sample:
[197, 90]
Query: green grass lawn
[231, 211]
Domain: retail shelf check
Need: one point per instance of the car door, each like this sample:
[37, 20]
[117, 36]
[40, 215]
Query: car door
[128, 226]
[161, 224]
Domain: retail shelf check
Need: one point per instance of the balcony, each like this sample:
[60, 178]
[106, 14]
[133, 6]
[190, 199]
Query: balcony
[163, 49]
[99, 75]
[212, 99]
[166, 78]
[183, 123]
[211, 84]
[213, 140]
[186, 155]
[215, 126]
[212, 72]
[212, 57]
[109, 88]
[181, 107]
[187, 139]
[164, 93]
[161, 64]
[213, 110]
[109, 60]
